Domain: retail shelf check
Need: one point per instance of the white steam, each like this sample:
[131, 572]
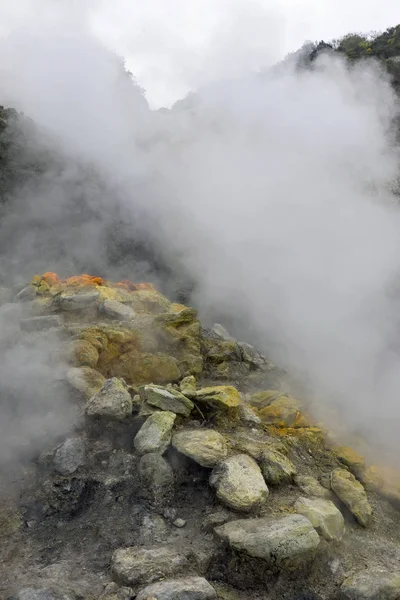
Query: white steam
[273, 191]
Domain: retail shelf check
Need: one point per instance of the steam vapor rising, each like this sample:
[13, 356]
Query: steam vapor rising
[272, 191]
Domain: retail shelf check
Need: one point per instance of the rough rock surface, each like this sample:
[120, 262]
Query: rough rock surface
[352, 494]
[220, 397]
[157, 478]
[205, 446]
[276, 467]
[239, 483]
[324, 516]
[165, 399]
[284, 542]
[371, 584]
[69, 456]
[113, 401]
[144, 565]
[191, 588]
[155, 434]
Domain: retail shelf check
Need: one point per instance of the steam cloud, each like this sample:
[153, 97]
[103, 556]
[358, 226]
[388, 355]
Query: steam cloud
[272, 191]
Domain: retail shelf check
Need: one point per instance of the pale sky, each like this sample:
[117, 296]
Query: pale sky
[172, 46]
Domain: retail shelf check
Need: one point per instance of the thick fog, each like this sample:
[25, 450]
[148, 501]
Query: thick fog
[272, 191]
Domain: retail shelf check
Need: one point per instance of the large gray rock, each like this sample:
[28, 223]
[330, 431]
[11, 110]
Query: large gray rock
[190, 588]
[78, 301]
[284, 542]
[31, 324]
[155, 433]
[69, 456]
[239, 483]
[324, 516]
[157, 478]
[132, 566]
[352, 494]
[172, 400]
[116, 310]
[207, 447]
[372, 584]
[276, 467]
[112, 402]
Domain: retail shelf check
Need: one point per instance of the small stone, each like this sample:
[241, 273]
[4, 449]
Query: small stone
[69, 456]
[220, 397]
[324, 516]
[311, 487]
[352, 494]
[205, 446]
[170, 513]
[277, 468]
[179, 523]
[248, 416]
[188, 386]
[132, 566]
[86, 380]
[239, 483]
[190, 588]
[155, 433]
[112, 402]
[371, 584]
[78, 301]
[283, 542]
[116, 310]
[157, 478]
[40, 323]
[166, 399]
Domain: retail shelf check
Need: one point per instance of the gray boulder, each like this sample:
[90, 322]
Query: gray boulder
[166, 399]
[239, 483]
[78, 301]
[284, 542]
[155, 433]
[116, 310]
[69, 456]
[190, 588]
[112, 402]
[132, 566]
[372, 584]
[205, 446]
[324, 516]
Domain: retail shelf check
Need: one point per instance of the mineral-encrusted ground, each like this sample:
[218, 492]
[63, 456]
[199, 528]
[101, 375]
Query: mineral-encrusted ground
[190, 473]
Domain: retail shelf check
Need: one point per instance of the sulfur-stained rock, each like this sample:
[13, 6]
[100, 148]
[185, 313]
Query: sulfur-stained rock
[254, 442]
[282, 412]
[117, 310]
[276, 467]
[112, 402]
[239, 483]
[349, 457]
[188, 386]
[82, 353]
[165, 399]
[132, 566]
[248, 416]
[205, 446]
[155, 433]
[372, 584]
[264, 398]
[324, 516]
[283, 542]
[220, 397]
[190, 588]
[385, 481]
[352, 494]
[141, 367]
[224, 351]
[86, 380]
[311, 487]
[149, 301]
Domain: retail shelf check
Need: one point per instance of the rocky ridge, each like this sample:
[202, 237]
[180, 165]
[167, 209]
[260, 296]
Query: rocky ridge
[191, 475]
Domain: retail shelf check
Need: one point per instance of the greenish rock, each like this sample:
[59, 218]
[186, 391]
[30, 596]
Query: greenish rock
[143, 367]
[371, 584]
[239, 483]
[112, 402]
[157, 478]
[188, 386]
[283, 542]
[133, 566]
[166, 399]
[220, 397]
[324, 517]
[207, 447]
[224, 351]
[352, 494]
[85, 380]
[276, 467]
[311, 487]
[190, 588]
[155, 433]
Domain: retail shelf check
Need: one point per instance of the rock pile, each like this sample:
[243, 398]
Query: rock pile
[178, 485]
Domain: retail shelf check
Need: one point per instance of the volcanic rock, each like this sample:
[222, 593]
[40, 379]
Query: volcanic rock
[131, 566]
[112, 402]
[207, 447]
[276, 468]
[155, 433]
[165, 399]
[352, 494]
[191, 588]
[324, 516]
